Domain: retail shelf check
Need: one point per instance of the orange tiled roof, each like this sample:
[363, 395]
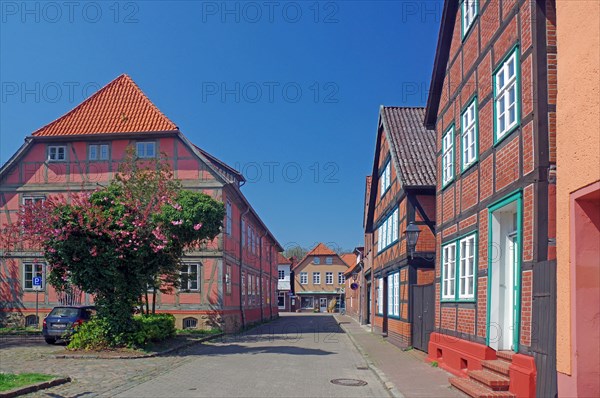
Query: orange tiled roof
[282, 260]
[349, 258]
[118, 107]
[321, 250]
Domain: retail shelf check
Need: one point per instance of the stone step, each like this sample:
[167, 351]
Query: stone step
[477, 390]
[490, 379]
[497, 365]
[505, 355]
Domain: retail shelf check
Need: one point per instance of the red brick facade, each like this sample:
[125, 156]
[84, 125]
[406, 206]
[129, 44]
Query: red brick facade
[518, 163]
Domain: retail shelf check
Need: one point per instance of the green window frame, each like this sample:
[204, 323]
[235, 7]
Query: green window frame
[506, 83]
[469, 12]
[469, 135]
[448, 156]
[456, 257]
[393, 304]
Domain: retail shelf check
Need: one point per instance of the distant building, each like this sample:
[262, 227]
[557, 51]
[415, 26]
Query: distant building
[353, 296]
[284, 286]
[319, 279]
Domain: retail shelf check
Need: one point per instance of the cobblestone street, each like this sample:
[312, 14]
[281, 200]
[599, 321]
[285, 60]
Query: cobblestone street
[301, 353]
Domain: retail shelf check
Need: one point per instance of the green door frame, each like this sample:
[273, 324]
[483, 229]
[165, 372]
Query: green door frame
[518, 197]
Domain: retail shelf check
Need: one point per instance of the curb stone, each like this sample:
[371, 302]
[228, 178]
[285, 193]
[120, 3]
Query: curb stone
[152, 355]
[35, 387]
[389, 386]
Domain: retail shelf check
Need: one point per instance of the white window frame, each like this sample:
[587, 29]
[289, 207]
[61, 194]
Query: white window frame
[329, 278]
[469, 135]
[36, 268]
[54, 151]
[304, 278]
[141, 149]
[34, 199]
[448, 156]
[228, 218]
[281, 275]
[328, 260]
[470, 9]
[467, 267]
[393, 281]
[385, 177]
[317, 260]
[380, 296]
[101, 152]
[190, 282]
[388, 232]
[93, 152]
[506, 82]
[316, 278]
[449, 271]
[341, 278]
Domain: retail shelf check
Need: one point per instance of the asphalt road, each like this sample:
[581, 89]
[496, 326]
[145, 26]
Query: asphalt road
[295, 356]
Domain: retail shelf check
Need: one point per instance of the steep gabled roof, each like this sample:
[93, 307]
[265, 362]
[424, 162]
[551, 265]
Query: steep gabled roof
[118, 107]
[221, 166]
[319, 250]
[349, 258]
[413, 146]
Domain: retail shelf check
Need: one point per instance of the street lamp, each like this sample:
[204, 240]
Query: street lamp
[412, 235]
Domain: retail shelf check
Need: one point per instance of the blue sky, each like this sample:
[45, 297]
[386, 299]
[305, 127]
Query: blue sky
[286, 92]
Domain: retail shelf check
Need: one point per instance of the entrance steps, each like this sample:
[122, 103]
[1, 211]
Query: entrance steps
[493, 380]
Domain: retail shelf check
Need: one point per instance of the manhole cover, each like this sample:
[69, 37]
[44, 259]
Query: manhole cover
[349, 382]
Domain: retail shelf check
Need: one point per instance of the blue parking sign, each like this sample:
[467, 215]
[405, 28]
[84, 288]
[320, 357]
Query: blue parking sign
[37, 283]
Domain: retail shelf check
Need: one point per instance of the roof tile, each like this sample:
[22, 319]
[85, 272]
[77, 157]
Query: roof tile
[118, 107]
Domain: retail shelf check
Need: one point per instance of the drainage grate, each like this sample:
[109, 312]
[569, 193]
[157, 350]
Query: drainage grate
[349, 382]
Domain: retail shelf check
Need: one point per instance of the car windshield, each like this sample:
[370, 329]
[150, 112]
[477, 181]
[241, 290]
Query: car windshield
[65, 312]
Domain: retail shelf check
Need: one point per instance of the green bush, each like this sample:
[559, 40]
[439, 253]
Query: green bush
[92, 335]
[95, 334]
[153, 327]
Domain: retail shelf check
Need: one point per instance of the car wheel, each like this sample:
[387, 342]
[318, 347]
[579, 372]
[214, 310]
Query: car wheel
[50, 340]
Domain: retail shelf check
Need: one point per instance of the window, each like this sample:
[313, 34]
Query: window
[244, 233]
[281, 274]
[307, 303]
[328, 260]
[468, 138]
[31, 270]
[380, 296]
[228, 220]
[505, 96]
[190, 323]
[384, 178]
[467, 267]
[281, 300]
[57, 153]
[316, 278]
[469, 12]
[33, 200]
[228, 280]
[98, 152]
[329, 278]
[317, 260]
[31, 320]
[341, 278]
[388, 232]
[304, 278]
[393, 294]
[244, 287]
[448, 156]
[190, 277]
[458, 277]
[448, 270]
[145, 149]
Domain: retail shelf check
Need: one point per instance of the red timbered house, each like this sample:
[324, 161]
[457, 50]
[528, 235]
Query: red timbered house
[231, 281]
[402, 191]
[493, 104]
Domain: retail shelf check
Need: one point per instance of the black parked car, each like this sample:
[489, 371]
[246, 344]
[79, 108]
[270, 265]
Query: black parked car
[62, 321]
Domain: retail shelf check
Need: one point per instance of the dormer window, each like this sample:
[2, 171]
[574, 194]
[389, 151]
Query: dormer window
[145, 150]
[57, 153]
[317, 260]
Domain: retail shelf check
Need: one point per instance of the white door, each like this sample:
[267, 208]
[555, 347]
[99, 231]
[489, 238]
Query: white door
[503, 280]
[323, 304]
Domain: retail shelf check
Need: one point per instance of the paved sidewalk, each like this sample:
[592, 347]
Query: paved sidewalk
[406, 370]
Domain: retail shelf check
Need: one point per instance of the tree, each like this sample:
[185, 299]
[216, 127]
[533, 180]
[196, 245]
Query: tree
[116, 241]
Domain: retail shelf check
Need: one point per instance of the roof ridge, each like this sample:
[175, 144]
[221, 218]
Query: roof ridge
[121, 78]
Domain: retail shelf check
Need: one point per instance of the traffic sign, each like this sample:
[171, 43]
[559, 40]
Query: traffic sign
[37, 283]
